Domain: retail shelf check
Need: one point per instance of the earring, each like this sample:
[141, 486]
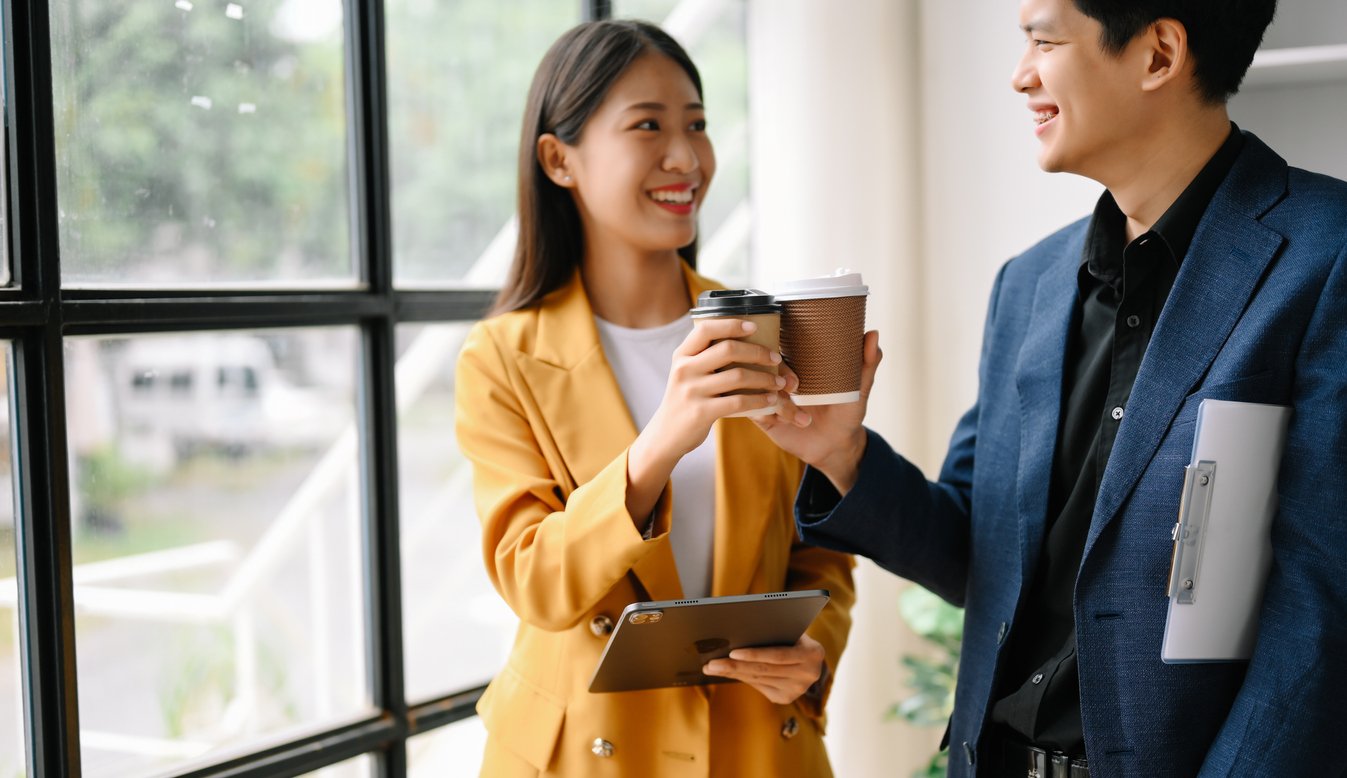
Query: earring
[565, 178]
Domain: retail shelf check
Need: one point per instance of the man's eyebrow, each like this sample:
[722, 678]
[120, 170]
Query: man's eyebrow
[1042, 24]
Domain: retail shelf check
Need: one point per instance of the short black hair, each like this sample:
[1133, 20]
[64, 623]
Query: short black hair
[1222, 34]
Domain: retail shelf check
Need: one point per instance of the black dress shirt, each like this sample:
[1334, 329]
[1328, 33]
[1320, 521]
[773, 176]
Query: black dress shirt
[1122, 289]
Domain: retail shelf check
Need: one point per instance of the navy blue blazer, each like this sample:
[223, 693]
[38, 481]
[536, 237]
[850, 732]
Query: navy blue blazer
[1257, 313]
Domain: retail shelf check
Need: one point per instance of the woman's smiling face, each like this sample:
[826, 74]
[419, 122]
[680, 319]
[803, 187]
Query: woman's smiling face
[643, 162]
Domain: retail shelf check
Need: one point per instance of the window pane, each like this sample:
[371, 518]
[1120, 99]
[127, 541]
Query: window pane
[452, 751]
[360, 767]
[4, 171]
[456, 628]
[201, 142]
[715, 34]
[11, 684]
[216, 541]
[458, 76]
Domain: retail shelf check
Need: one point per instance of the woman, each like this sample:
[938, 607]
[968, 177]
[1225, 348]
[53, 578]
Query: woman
[604, 470]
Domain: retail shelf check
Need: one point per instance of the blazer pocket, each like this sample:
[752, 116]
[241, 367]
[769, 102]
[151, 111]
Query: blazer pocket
[1255, 387]
[522, 716]
[1243, 388]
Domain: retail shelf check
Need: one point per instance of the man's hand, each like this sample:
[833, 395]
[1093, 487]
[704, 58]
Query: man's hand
[828, 438]
[781, 674]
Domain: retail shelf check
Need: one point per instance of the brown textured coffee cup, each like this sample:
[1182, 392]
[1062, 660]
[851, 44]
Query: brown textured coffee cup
[746, 305]
[822, 337]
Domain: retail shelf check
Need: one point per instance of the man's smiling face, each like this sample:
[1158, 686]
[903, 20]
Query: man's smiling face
[1084, 102]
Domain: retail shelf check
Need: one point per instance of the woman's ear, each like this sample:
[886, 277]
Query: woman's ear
[553, 156]
[1167, 49]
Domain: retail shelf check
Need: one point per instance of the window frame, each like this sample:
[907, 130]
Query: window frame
[36, 316]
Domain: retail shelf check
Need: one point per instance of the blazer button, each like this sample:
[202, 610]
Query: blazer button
[601, 625]
[601, 748]
[790, 729]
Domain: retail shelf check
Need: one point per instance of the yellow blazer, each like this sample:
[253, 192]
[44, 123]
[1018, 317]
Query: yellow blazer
[543, 421]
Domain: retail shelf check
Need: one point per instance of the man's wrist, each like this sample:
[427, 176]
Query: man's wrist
[843, 466]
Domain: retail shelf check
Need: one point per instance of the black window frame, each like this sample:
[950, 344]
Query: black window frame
[36, 315]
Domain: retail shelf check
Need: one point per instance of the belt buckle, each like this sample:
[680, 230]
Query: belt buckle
[1038, 764]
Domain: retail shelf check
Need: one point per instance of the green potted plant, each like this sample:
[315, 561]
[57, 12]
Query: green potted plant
[933, 673]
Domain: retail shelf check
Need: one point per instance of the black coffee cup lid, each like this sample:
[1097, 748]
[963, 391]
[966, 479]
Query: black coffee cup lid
[735, 302]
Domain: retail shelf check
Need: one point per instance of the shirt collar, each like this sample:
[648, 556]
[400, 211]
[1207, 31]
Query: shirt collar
[1176, 227]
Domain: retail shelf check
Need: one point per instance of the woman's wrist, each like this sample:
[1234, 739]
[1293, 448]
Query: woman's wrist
[648, 471]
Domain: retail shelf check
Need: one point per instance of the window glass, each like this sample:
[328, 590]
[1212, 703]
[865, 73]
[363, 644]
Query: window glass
[201, 142]
[714, 32]
[11, 684]
[360, 767]
[457, 630]
[219, 596]
[4, 166]
[451, 751]
[458, 77]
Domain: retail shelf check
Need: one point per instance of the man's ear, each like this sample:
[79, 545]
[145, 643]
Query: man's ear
[1166, 43]
[552, 156]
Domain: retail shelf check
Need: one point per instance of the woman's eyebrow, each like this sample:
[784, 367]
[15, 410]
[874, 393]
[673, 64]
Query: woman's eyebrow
[661, 107]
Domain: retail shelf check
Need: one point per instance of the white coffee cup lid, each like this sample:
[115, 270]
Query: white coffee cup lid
[840, 283]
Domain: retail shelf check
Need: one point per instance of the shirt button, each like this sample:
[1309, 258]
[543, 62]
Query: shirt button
[1037, 679]
[1117, 413]
[601, 748]
[600, 625]
[1134, 321]
[790, 729]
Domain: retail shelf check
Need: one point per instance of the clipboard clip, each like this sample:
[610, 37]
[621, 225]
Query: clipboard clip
[1199, 481]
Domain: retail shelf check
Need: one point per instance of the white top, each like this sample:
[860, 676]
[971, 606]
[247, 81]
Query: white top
[640, 359]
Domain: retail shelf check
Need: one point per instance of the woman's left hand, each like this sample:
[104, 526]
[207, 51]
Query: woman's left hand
[781, 673]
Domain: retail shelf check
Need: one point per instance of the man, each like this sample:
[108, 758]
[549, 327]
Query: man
[1210, 269]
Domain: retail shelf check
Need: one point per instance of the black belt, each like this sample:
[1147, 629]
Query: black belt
[1024, 761]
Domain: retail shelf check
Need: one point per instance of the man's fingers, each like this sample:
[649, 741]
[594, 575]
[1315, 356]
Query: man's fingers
[871, 356]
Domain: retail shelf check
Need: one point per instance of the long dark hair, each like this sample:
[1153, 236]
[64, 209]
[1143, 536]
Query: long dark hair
[571, 82]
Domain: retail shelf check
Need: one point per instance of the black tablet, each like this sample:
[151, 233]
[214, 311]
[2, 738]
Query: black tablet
[658, 644]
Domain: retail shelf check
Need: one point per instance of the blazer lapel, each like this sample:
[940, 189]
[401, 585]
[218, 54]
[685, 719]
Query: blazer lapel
[1228, 256]
[584, 410]
[1038, 379]
[575, 389]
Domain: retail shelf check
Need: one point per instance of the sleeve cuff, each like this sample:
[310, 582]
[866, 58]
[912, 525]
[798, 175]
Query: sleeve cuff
[816, 499]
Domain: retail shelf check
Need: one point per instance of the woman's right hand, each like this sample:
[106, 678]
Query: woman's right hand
[695, 396]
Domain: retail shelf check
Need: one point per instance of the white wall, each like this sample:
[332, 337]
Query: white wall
[1293, 118]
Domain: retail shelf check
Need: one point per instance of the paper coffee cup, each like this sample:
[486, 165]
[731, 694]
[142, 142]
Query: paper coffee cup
[749, 305]
[822, 336]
